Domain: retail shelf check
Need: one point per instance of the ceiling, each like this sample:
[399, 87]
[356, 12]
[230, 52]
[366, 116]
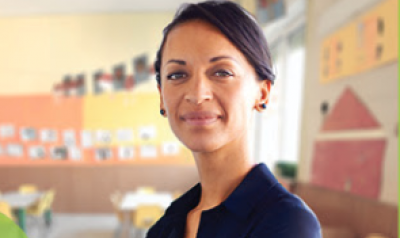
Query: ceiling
[50, 7]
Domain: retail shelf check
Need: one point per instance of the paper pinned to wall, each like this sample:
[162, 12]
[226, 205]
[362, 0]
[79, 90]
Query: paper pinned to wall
[148, 151]
[170, 148]
[37, 152]
[28, 133]
[74, 153]
[125, 135]
[69, 137]
[147, 132]
[126, 153]
[103, 154]
[7, 131]
[48, 135]
[59, 153]
[87, 139]
[103, 136]
[15, 150]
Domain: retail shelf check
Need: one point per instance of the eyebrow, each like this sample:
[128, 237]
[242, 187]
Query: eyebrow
[221, 58]
[213, 59]
[180, 62]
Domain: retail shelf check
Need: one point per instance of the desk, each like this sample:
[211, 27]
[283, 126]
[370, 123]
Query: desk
[19, 203]
[132, 200]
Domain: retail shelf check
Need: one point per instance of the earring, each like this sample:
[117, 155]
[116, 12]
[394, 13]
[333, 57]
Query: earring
[162, 112]
[264, 105]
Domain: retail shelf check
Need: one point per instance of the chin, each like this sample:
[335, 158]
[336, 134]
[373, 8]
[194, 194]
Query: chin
[198, 144]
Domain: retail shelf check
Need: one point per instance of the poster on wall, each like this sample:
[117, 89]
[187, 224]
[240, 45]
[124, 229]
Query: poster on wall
[269, 10]
[74, 153]
[148, 151]
[66, 84]
[7, 131]
[59, 153]
[363, 44]
[126, 153]
[96, 82]
[103, 154]
[170, 148]
[81, 84]
[103, 136]
[124, 135]
[37, 152]
[69, 137]
[141, 69]
[147, 132]
[87, 139]
[48, 135]
[15, 150]
[28, 134]
[119, 77]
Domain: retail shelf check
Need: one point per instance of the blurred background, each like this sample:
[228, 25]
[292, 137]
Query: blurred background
[85, 153]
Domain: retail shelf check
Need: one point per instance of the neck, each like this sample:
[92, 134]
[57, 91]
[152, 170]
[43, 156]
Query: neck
[220, 173]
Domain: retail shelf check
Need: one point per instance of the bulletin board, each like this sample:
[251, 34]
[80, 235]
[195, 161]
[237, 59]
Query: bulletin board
[363, 44]
[106, 129]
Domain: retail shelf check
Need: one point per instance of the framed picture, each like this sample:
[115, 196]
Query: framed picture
[269, 10]
[126, 153]
[28, 134]
[141, 69]
[96, 82]
[148, 151]
[170, 148]
[103, 154]
[15, 150]
[48, 135]
[37, 152]
[59, 153]
[7, 131]
[119, 77]
[74, 153]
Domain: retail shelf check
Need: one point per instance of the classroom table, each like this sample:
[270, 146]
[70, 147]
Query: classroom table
[19, 202]
[132, 200]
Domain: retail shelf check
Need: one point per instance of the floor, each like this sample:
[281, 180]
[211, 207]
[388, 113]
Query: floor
[75, 226]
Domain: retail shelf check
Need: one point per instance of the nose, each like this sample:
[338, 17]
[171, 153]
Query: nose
[199, 90]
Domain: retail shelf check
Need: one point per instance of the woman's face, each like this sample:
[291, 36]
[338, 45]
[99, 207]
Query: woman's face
[208, 88]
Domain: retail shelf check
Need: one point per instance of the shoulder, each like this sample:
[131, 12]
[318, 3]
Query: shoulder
[288, 216]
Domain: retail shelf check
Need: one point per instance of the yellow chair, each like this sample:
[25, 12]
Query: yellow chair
[116, 199]
[43, 205]
[27, 188]
[6, 210]
[42, 209]
[146, 216]
[146, 190]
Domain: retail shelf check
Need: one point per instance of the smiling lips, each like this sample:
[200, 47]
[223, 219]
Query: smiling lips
[200, 118]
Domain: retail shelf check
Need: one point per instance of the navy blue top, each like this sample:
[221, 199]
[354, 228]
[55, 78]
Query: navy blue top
[258, 207]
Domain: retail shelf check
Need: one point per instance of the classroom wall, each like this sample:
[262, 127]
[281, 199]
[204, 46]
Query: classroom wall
[36, 53]
[353, 146]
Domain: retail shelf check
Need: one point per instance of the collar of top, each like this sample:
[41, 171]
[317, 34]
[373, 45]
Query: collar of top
[241, 201]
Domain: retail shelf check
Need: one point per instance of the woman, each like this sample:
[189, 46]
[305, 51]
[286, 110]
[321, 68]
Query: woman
[213, 69]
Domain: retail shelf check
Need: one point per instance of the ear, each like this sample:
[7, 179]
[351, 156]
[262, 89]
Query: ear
[161, 99]
[265, 90]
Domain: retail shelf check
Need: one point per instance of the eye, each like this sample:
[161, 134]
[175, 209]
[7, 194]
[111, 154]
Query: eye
[177, 75]
[223, 73]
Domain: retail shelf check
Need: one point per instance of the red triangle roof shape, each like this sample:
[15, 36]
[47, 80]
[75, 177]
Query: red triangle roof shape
[349, 113]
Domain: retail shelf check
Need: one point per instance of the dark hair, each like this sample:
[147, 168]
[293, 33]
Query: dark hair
[235, 23]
